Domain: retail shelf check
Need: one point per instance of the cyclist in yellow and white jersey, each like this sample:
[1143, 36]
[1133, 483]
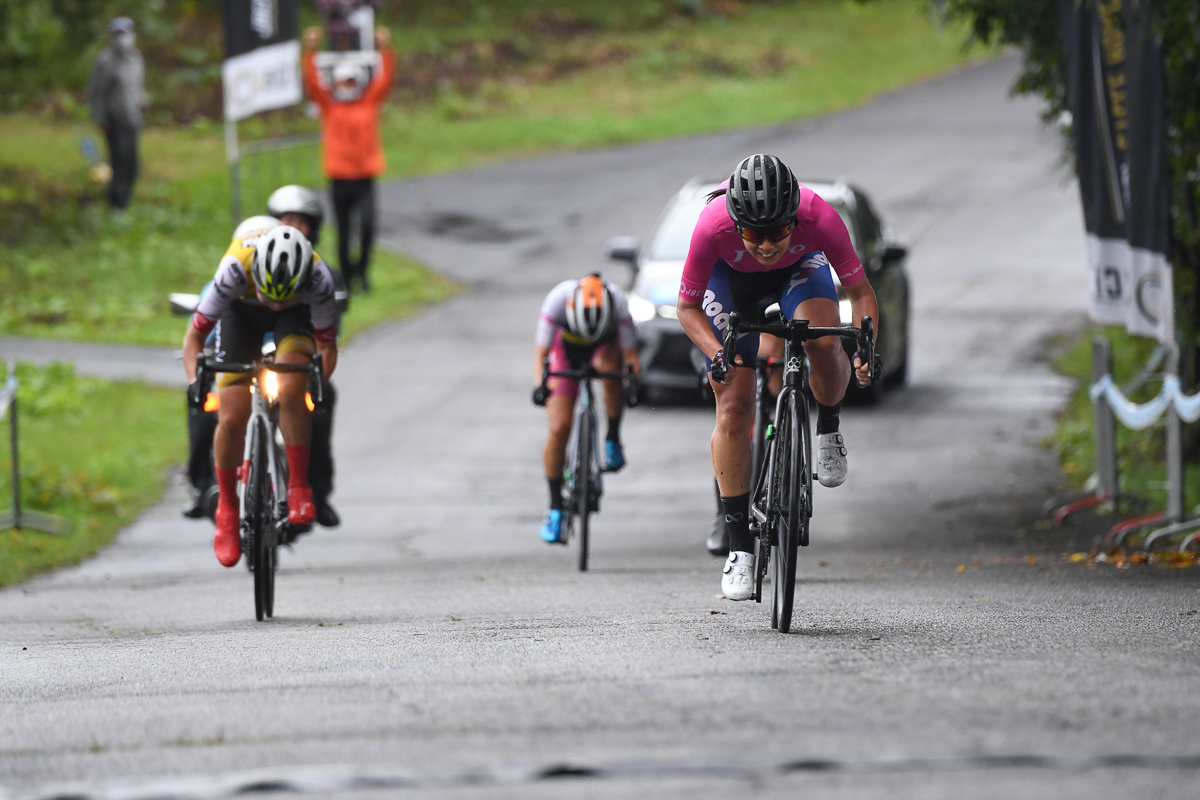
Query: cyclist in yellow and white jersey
[269, 281]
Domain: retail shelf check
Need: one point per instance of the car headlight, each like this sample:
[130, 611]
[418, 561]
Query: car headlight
[641, 309]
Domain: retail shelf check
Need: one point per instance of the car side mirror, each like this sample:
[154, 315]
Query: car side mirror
[893, 253]
[623, 248]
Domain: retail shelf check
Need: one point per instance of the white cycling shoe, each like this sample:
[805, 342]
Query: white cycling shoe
[737, 577]
[831, 459]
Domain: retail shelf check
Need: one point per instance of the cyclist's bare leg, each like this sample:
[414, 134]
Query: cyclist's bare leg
[608, 359]
[731, 437]
[829, 369]
[229, 441]
[772, 347]
[295, 420]
[558, 414]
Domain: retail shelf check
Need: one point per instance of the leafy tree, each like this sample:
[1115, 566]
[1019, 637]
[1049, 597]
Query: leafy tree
[1032, 25]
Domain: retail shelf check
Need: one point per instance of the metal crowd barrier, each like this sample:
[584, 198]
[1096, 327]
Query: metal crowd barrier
[1111, 404]
[17, 517]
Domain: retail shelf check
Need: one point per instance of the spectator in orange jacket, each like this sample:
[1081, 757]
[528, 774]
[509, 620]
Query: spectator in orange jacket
[352, 153]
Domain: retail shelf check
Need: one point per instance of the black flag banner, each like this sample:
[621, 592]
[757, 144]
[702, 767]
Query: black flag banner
[262, 56]
[1114, 71]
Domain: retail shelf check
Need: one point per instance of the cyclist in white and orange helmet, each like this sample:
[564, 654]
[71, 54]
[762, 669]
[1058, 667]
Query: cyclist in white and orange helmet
[582, 321]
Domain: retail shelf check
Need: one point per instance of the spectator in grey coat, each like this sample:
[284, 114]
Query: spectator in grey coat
[117, 97]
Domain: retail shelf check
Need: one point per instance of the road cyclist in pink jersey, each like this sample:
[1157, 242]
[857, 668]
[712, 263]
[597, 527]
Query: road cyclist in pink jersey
[582, 321]
[770, 240]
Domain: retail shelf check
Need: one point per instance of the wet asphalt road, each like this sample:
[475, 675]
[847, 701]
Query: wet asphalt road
[434, 636]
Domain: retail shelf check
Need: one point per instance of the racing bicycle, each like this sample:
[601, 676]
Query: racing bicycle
[263, 476]
[582, 485]
[781, 503]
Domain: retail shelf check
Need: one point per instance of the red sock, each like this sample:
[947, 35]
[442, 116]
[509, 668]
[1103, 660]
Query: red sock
[297, 456]
[227, 483]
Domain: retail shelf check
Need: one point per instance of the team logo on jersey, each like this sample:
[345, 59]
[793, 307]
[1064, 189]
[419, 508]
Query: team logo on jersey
[715, 311]
[815, 260]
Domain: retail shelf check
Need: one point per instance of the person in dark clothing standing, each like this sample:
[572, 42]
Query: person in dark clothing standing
[117, 97]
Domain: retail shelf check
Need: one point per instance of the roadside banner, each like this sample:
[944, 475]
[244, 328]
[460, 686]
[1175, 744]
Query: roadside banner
[262, 56]
[1114, 72]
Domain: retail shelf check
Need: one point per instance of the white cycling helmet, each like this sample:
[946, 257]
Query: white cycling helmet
[255, 225]
[590, 314]
[296, 199]
[283, 261]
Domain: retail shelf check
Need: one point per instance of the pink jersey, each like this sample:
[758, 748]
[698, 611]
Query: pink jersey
[818, 227]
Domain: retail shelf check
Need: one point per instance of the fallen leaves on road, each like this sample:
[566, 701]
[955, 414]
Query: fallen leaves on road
[1121, 558]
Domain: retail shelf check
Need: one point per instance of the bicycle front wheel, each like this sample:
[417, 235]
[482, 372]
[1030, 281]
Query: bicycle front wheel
[789, 469]
[262, 517]
[583, 486]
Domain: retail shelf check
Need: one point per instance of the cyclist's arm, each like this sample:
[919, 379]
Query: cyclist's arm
[632, 358]
[228, 284]
[325, 317]
[540, 354]
[193, 345]
[329, 357]
[695, 325]
[862, 302]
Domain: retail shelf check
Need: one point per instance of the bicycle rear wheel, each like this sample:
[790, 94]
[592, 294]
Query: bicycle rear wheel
[793, 517]
[583, 486]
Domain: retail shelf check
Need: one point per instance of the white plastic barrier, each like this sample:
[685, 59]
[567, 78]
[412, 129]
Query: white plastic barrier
[1142, 416]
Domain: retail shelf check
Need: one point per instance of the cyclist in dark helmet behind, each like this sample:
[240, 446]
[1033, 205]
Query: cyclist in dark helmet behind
[584, 321]
[301, 208]
[770, 240]
[269, 281]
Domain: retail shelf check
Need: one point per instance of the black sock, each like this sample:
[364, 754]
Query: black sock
[827, 418]
[737, 519]
[614, 429]
[555, 493]
[717, 487]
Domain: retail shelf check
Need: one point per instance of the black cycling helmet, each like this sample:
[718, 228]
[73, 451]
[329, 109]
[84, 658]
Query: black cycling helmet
[762, 193]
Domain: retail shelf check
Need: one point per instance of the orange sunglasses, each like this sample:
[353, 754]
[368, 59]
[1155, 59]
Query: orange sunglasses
[777, 234]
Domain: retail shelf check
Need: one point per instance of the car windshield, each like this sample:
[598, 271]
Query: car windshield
[675, 234]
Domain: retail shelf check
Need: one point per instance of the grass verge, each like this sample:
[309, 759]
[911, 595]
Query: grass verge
[95, 452]
[1141, 455]
[74, 271]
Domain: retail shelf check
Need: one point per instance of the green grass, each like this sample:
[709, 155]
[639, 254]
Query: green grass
[1141, 455]
[771, 64]
[95, 452]
[73, 271]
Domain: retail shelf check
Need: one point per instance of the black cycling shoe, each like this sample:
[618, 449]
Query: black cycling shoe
[326, 516]
[211, 498]
[718, 538]
[194, 508]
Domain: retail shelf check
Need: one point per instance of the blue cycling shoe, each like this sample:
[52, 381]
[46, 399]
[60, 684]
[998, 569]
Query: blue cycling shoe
[614, 456]
[552, 527]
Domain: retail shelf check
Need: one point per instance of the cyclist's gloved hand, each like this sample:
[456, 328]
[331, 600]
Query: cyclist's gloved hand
[540, 395]
[876, 368]
[721, 367]
[194, 395]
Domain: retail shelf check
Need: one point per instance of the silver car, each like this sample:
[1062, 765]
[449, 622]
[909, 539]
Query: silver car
[670, 362]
